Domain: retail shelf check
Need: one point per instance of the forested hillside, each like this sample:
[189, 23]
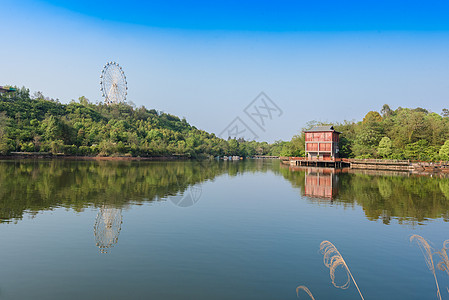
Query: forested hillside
[404, 133]
[39, 124]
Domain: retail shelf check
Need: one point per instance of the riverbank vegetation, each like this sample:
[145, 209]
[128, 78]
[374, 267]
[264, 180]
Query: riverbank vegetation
[404, 133]
[39, 124]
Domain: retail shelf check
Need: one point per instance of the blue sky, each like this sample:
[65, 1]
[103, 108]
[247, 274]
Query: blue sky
[207, 60]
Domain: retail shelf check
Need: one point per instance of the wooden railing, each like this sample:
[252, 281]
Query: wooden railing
[319, 159]
[380, 161]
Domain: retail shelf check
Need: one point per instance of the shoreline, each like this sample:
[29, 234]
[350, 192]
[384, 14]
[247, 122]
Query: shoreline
[91, 158]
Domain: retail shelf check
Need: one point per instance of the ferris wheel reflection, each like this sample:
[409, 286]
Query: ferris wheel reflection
[107, 227]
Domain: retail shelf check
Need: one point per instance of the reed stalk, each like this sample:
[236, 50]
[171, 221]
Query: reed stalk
[426, 250]
[305, 289]
[333, 259]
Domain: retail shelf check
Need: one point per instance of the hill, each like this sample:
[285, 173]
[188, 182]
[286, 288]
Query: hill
[39, 124]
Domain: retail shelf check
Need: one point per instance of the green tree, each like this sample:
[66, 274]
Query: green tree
[366, 142]
[51, 128]
[444, 151]
[297, 147]
[56, 146]
[386, 111]
[4, 140]
[385, 147]
[233, 147]
[445, 112]
[421, 150]
[372, 116]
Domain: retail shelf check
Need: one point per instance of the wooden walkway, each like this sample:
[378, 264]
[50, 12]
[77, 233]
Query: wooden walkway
[371, 165]
[321, 163]
[365, 164]
[381, 164]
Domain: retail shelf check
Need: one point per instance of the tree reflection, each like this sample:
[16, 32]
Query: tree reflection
[33, 186]
[384, 195]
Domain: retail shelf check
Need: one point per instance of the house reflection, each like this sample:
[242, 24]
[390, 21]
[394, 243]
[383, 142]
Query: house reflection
[320, 182]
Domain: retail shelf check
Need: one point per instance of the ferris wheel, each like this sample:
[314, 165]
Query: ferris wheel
[113, 83]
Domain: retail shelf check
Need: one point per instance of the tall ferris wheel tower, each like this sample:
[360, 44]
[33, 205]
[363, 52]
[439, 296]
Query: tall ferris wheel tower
[113, 84]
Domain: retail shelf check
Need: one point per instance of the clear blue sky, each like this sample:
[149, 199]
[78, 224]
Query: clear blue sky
[206, 60]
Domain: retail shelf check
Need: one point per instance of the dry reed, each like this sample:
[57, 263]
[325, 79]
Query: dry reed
[333, 259]
[443, 265]
[426, 250]
[305, 289]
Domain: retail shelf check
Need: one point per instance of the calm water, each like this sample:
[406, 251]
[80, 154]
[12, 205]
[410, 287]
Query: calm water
[214, 230]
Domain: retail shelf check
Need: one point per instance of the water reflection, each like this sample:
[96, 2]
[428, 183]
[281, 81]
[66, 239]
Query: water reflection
[188, 197]
[33, 186]
[107, 227]
[321, 183]
[384, 195]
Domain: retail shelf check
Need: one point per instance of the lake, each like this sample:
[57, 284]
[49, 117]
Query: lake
[216, 230]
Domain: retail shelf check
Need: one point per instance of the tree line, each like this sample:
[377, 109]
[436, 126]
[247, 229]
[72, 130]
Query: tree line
[404, 133]
[39, 124]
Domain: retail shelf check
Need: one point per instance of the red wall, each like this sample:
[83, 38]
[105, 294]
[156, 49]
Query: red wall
[312, 147]
[321, 137]
[325, 147]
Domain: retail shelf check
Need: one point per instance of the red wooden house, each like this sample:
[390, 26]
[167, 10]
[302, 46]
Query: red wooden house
[322, 142]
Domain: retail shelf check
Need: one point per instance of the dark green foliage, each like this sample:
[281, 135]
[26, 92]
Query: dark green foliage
[404, 133]
[40, 124]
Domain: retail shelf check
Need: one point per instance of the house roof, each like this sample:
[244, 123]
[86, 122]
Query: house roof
[4, 89]
[321, 129]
